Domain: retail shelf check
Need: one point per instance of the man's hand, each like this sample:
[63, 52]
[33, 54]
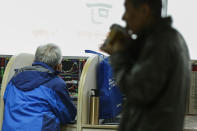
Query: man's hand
[111, 48]
[118, 44]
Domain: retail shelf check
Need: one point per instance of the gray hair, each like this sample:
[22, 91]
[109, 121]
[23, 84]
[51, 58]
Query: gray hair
[49, 54]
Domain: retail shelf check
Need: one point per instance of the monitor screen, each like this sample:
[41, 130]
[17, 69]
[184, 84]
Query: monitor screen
[71, 72]
[4, 59]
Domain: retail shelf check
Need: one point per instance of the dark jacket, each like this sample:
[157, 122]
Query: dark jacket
[154, 75]
[36, 99]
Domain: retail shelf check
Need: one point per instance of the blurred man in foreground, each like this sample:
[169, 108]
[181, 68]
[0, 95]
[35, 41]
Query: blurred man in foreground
[152, 69]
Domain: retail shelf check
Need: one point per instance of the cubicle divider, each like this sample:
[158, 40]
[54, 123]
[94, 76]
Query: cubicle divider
[87, 82]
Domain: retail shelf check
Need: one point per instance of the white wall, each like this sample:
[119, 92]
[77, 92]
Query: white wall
[184, 13]
[74, 25]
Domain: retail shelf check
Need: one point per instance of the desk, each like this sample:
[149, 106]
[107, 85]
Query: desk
[99, 127]
[190, 123]
[69, 127]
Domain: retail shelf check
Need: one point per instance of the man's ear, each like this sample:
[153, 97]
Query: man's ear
[58, 67]
[146, 10]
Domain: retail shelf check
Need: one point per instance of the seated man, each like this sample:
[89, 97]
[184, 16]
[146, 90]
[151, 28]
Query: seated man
[36, 99]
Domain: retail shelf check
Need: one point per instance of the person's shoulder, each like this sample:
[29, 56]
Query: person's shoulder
[58, 80]
[165, 35]
[165, 30]
[56, 83]
[59, 86]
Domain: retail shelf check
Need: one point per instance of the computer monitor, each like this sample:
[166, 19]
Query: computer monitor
[72, 67]
[3, 63]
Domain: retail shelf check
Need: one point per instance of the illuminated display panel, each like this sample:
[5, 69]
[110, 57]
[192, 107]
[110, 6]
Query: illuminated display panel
[71, 72]
[74, 25]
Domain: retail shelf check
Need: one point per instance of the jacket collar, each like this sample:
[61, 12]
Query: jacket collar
[160, 22]
[44, 65]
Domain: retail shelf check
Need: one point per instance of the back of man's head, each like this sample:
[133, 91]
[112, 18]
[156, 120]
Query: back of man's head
[155, 6]
[49, 54]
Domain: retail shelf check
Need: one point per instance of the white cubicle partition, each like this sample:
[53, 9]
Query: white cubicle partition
[87, 82]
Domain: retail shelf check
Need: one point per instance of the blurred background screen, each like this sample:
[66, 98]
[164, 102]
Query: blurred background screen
[76, 25]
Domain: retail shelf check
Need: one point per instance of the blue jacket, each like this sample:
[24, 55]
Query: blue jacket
[36, 99]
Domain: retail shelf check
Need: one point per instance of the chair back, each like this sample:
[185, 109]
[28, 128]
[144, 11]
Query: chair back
[16, 62]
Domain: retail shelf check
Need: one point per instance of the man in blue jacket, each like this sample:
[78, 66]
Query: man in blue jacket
[36, 99]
